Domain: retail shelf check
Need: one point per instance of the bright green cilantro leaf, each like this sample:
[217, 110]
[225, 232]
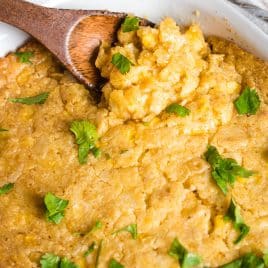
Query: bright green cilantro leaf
[185, 258]
[265, 259]
[86, 136]
[24, 57]
[130, 24]
[50, 261]
[132, 229]
[98, 254]
[224, 170]
[178, 110]
[248, 102]
[90, 249]
[65, 263]
[249, 260]
[55, 208]
[6, 188]
[233, 214]
[115, 264]
[122, 63]
[38, 99]
[3, 129]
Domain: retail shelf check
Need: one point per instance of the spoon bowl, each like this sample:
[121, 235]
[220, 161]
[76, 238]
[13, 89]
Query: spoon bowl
[73, 36]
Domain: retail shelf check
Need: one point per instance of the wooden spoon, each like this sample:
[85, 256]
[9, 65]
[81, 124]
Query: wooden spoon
[73, 36]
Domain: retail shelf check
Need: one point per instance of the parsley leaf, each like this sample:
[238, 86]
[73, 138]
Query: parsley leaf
[178, 110]
[233, 214]
[65, 263]
[115, 264]
[224, 170]
[90, 249]
[130, 24]
[3, 129]
[122, 63]
[25, 56]
[6, 188]
[248, 102]
[132, 229]
[185, 258]
[38, 99]
[55, 208]
[50, 261]
[98, 254]
[265, 259]
[86, 136]
[249, 260]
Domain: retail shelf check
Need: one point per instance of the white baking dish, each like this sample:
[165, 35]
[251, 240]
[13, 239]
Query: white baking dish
[217, 17]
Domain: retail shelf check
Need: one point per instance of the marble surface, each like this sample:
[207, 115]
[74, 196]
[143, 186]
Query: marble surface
[256, 10]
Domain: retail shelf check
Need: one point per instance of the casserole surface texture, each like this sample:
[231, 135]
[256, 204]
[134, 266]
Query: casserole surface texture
[152, 171]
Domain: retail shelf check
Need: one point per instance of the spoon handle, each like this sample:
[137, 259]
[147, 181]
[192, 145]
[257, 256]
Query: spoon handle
[49, 26]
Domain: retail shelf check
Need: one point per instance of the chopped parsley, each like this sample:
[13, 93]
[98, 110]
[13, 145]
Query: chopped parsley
[122, 63]
[265, 258]
[90, 249]
[25, 56]
[86, 136]
[55, 207]
[115, 264]
[178, 110]
[249, 260]
[52, 261]
[224, 170]
[233, 214]
[6, 188]
[248, 102]
[130, 24]
[65, 263]
[132, 229]
[3, 129]
[38, 99]
[185, 258]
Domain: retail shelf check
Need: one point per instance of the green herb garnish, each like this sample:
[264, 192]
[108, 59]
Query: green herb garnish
[178, 110]
[132, 229]
[38, 99]
[130, 24]
[122, 63]
[25, 56]
[233, 214]
[86, 136]
[55, 207]
[3, 129]
[248, 102]
[115, 264]
[185, 258]
[6, 188]
[249, 260]
[90, 249]
[52, 261]
[224, 170]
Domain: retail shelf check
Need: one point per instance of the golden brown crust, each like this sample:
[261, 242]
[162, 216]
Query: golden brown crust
[150, 174]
